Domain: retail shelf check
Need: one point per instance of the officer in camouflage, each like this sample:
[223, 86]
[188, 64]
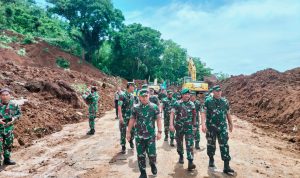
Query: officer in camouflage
[198, 107]
[9, 114]
[125, 107]
[214, 115]
[91, 97]
[185, 119]
[153, 98]
[167, 104]
[144, 116]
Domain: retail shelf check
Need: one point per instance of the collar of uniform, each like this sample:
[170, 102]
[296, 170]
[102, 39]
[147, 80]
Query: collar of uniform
[144, 105]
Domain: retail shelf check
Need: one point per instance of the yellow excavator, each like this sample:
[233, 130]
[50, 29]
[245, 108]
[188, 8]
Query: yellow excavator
[190, 81]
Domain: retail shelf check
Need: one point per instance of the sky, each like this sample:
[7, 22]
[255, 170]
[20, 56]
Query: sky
[230, 36]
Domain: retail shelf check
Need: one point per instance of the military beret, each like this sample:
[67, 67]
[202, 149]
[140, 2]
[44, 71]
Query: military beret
[216, 88]
[185, 91]
[5, 89]
[143, 92]
[169, 91]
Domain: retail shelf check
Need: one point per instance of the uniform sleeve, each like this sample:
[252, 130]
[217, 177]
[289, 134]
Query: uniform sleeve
[204, 106]
[227, 105]
[134, 113]
[17, 113]
[156, 112]
[121, 100]
[174, 107]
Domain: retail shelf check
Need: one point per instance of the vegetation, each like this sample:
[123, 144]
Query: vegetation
[63, 63]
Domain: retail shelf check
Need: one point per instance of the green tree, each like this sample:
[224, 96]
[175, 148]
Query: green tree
[93, 21]
[137, 51]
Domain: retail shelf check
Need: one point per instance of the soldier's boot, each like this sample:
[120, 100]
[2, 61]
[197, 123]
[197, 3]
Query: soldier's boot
[8, 161]
[143, 174]
[191, 165]
[211, 163]
[153, 169]
[172, 142]
[197, 146]
[180, 161]
[91, 132]
[166, 138]
[131, 144]
[227, 169]
[123, 151]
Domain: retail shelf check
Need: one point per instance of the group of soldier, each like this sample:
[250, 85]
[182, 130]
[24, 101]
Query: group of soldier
[181, 113]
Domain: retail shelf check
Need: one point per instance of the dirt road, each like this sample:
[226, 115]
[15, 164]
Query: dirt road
[70, 153]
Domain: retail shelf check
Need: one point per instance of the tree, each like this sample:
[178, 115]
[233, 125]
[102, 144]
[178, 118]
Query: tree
[91, 21]
[137, 51]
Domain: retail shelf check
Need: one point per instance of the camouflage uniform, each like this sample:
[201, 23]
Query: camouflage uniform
[161, 96]
[216, 110]
[154, 99]
[177, 96]
[198, 107]
[126, 101]
[167, 105]
[7, 112]
[92, 100]
[145, 117]
[184, 112]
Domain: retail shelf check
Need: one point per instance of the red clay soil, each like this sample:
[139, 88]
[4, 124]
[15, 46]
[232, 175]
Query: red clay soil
[53, 98]
[269, 99]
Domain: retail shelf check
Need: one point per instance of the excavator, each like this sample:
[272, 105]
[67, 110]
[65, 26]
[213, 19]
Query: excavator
[190, 81]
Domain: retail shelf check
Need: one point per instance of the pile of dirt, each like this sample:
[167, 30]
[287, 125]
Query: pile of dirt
[53, 94]
[269, 99]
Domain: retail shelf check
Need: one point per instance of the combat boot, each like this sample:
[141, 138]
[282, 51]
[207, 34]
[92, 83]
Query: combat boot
[172, 142]
[166, 137]
[8, 161]
[123, 150]
[227, 169]
[191, 165]
[91, 132]
[153, 169]
[211, 163]
[197, 146]
[131, 144]
[143, 174]
[180, 161]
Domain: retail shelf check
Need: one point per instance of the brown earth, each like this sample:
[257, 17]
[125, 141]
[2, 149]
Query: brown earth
[269, 99]
[54, 94]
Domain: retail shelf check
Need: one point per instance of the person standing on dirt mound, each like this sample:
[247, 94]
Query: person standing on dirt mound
[9, 114]
[125, 107]
[185, 113]
[91, 97]
[167, 104]
[117, 96]
[198, 107]
[143, 117]
[214, 115]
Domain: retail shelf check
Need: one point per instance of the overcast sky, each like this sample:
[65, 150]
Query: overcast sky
[230, 36]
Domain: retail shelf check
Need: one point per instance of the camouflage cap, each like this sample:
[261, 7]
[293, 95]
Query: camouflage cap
[185, 91]
[144, 86]
[151, 89]
[193, 93]
[169, 91]
[130, 83]
[216, 88]
[143, 92]
[5, 89]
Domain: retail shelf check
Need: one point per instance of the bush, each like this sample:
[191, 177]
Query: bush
[29, 39]
[21, 52]
[63, 63]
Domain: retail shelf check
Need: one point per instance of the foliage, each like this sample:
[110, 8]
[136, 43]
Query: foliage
[221, 76]
[63, 63]
[201, 68]
[21, 52]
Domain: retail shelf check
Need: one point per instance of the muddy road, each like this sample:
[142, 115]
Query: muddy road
[70, 153]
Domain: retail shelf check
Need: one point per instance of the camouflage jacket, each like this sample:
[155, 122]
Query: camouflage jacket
[154, 99]
[92, 100]
[161, 96]
[216, 111]
[168, 104]
[145, 116]
[126, 101]
[184, 112]
[176, 96]
[7, 112]
[198, 107]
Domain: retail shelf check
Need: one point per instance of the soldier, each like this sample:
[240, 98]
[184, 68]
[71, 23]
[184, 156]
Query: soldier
[176, 95]
[153, 98]
[117, 96]
[144, 116]
[214, 114]
[9, 114]
[185, 113]
[91, 97]
[198, 106]
[125, 107]
[162, 94]
[167, 104]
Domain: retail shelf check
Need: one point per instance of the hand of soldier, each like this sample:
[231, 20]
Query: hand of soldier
[158, 136]
[172, 128]
[121, 120]
[230, 127]
[2, 122]
[128, 136]
[204, 128]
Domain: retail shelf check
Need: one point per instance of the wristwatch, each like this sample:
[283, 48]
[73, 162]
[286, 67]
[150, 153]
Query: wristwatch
[159, 131]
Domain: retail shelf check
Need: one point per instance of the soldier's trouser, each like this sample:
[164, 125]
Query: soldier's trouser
[167, 126]
[222, 136]
[123, 128]
[6, 143]
[197, 132]
[92, 117]
[187, 131]
[144, 146]
[116, 107]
